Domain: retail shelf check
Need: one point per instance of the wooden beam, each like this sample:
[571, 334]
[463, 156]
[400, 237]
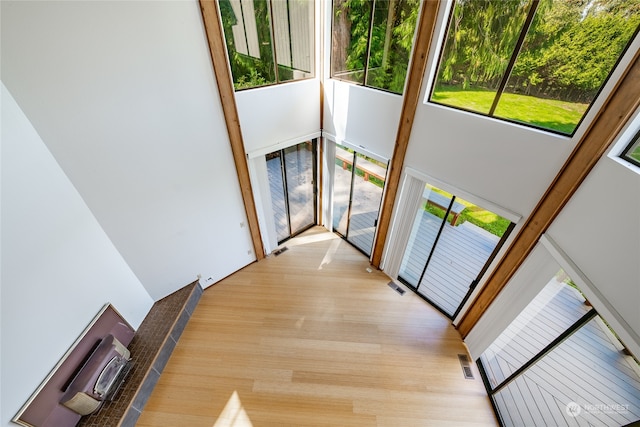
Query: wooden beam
[217, 48]
[613, 115]
[424, 36]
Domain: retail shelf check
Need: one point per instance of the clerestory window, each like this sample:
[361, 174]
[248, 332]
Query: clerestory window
[371, 41]
[268, 41]
[536, 62]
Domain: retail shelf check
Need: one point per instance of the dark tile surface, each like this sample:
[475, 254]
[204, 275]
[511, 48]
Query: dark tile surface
[150, 350]
[181, 323]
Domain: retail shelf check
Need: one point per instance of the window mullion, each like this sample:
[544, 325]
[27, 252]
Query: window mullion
[566, 334]
[514, 55]
[273, 41]
[366, 59]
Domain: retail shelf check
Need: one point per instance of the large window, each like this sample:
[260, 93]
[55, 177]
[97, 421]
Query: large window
[358, 183]
[371, 41]
[560, 363]
[451, 245]
[632, 152]
[536, 62]
[268, 42]
[292, 182]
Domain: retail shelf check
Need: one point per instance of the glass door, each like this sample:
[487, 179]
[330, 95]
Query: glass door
[357, 194]
[452, 243]
[292, 174]
[560, 363]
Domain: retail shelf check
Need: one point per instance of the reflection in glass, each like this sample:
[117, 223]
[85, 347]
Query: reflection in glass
[423, 237]
[300, 186]
[357, 193]
[368, 182]
[342, 189]
[293, 35]
[292, 184]
[254, 45]
[278, 198]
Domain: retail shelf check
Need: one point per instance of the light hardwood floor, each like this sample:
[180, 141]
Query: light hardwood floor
[310, 338]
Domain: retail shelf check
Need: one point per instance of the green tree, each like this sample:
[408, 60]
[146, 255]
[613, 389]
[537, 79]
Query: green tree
[249, 71]
[387, 50]
[480, 41]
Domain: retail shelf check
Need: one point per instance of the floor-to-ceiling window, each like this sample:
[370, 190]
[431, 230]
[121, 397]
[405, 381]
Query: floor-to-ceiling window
[357, 192]
[450, 247]
[292, 184]
[560, 363]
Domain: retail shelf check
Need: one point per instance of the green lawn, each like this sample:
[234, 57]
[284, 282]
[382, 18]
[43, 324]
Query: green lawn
[484, 219]
[549, 114]
[476, 215]
[635, 154]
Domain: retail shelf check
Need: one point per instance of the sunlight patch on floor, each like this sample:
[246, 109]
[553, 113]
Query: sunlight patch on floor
[312, 238]
[328, 256]
[233, 414]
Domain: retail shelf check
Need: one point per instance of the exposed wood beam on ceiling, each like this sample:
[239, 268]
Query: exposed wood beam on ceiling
[424, 36]
[217, 48]
[611, 119]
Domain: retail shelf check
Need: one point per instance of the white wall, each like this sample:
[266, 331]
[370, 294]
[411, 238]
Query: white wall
[509, 165]
[58, 266]
[506, 164]
[599, 230]
[286, 113]
[273, 118]
[362, 116]
[123, 94]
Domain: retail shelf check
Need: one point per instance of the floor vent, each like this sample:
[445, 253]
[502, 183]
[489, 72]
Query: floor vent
[396, 288]
[466, 366]
[279, 251]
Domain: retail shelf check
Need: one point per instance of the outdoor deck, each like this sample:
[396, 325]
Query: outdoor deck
[299, 189]
[365, 201]
[588, 368]
[461, 253]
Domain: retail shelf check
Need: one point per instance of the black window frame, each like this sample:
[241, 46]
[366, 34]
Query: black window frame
[507, 73]
[365, 70]
[634, 144]
[274, 53]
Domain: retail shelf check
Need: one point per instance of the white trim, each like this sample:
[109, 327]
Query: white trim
[597, 300]
[402, 224]
[358, 148]
[258, 174]
[479, 201]
[283, 144]
[530, 278]
[622, 141]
